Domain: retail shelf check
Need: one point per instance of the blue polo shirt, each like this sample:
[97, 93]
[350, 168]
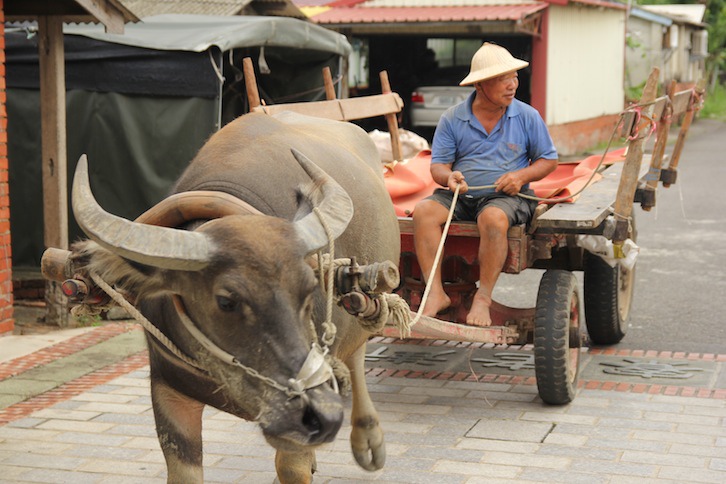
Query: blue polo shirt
[519, 138]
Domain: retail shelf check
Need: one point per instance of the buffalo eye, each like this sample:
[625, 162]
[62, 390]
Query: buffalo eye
[226, 304]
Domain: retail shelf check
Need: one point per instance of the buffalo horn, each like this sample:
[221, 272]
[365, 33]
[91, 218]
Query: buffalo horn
[336, 208]
[161, 247]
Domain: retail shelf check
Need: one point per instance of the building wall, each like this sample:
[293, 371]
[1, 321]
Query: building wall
[681, 66]
[586, 63]
[644, 51]
[6, 281]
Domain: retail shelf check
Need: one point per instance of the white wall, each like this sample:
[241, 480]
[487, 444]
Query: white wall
[586, 58]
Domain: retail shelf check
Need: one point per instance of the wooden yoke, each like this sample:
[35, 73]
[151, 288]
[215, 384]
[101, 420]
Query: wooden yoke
[387, 104]
[623, 207]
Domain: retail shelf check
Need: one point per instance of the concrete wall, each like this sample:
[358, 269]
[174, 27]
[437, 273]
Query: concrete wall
[645, 50]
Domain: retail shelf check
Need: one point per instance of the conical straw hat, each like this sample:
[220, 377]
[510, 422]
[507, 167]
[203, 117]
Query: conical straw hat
[491, 60]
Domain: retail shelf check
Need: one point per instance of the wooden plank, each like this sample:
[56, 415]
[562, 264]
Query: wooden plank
[593, 205]
[433, 328]
[681, 101]
[459, 229]
[342, 109]
[53, 155]
[53, 131]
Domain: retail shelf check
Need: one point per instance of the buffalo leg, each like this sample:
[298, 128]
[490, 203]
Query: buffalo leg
[295, 467]
[366, 437]
[179, 427]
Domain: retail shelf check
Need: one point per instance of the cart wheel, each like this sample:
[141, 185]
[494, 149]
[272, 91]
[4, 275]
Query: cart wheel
[557, 337]
[608, 296]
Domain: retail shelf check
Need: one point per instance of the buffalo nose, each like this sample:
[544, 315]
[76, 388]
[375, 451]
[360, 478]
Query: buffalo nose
[322, 418]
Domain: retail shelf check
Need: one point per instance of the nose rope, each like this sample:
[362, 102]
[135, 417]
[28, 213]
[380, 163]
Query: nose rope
[314, 371]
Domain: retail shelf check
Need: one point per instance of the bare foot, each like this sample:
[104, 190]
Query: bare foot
[436, 302]
[479, 313]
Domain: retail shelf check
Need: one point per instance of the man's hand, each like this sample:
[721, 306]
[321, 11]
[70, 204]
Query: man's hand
[456, 178]
[510, 183]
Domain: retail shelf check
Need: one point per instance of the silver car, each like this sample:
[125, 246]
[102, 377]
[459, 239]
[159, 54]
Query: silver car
[428, 103]
[436, 93]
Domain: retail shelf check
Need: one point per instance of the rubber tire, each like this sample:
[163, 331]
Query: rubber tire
[557, 338]
[608, 298]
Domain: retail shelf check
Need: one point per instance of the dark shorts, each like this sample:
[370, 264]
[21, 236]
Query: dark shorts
[518, 210]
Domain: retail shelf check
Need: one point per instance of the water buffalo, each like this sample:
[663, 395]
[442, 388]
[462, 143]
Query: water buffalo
[245, 284]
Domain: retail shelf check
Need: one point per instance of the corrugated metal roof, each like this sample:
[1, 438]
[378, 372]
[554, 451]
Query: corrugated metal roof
[147, 8]
[602, 3]
[685, 12]
[360, 15]
[442, 3]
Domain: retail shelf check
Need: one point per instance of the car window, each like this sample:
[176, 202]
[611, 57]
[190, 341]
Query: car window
[446, 76]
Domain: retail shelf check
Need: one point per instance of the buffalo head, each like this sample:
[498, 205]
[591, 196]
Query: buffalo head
[243, 282]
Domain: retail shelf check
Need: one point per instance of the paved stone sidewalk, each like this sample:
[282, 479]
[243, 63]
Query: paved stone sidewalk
[441, 425]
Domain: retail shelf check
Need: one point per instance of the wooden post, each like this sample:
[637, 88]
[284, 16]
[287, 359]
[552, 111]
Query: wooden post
[623, 207]
[685, 126]
[253, 95]
[664, 127]
[53, 153]
[392, 121]
[329, 86]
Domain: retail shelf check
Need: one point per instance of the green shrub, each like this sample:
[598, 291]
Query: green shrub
[714, 106]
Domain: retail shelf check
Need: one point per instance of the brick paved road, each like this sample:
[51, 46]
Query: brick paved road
[441, 426]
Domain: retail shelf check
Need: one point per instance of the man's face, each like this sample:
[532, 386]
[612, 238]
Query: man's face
[500, 90]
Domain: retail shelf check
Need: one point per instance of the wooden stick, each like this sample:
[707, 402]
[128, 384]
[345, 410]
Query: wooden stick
[629, 179]
[253, 95]
[329, 86]
[392, 121]
[685, 126]
[656, 161]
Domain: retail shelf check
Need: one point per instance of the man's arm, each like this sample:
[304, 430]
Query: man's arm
[511, 183]
[444, 176]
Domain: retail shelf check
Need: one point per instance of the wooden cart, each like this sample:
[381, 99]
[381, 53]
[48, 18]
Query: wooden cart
[555, 326]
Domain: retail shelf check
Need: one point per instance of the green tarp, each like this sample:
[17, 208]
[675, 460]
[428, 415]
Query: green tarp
[142, 104]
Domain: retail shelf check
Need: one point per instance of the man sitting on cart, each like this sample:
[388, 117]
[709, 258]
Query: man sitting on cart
[491, 145]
